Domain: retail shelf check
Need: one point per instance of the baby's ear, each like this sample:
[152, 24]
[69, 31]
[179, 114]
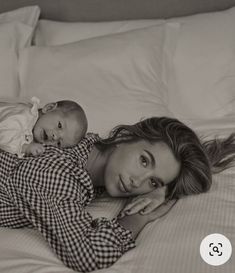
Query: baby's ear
[49, 107]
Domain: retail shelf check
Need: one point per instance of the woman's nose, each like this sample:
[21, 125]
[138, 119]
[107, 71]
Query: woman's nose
[140, 179]
[136, 182]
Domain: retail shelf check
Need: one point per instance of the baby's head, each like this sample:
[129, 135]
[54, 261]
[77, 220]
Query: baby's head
[62, 124]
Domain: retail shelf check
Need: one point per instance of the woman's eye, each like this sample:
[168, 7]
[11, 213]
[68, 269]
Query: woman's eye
[59, 125]
[144, 161]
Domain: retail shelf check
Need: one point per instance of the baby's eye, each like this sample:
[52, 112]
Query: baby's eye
[154, 182]
[59, 125]
[144, 160]
[59, 144]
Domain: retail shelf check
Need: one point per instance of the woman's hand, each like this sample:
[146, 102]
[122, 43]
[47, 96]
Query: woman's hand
[136, 222]
[145, 203]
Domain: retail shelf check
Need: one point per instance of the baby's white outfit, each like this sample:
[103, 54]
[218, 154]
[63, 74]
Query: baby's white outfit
[16, 125]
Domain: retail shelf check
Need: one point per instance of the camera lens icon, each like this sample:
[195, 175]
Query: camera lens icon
[215, 249]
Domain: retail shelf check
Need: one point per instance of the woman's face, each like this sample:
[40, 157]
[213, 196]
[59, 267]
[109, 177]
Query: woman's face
[138, 168]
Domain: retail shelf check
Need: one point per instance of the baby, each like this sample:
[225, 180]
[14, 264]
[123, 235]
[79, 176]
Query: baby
[24, 127]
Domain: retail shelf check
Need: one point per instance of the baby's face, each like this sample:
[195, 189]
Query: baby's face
[58, 129]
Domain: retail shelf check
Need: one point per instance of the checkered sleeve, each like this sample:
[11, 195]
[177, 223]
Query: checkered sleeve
[85, 244]
[52, 194]
[79, 153]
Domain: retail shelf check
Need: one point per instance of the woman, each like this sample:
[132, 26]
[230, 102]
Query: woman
[50, 192]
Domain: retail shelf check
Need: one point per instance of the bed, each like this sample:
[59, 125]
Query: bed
[133, 59]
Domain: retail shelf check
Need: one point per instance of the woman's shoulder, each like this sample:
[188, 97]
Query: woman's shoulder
[79, 153]
[89, 139]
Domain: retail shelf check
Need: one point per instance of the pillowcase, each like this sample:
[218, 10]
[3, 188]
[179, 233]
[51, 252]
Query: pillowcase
[57, 33]
[200, 75]
[198, 70]
[16, 29]
[116, 78]
[26, 15]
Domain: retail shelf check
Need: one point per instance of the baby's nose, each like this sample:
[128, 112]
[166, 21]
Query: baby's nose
[55, 136]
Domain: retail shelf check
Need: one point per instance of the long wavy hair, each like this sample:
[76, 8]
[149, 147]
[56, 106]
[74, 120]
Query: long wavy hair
[199, 160]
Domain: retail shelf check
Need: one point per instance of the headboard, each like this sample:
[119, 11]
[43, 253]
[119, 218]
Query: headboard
[111, 10]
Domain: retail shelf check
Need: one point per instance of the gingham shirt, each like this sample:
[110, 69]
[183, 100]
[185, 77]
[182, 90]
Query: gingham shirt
[50, 193]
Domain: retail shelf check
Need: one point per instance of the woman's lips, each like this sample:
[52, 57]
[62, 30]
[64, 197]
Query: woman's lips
[123, 187]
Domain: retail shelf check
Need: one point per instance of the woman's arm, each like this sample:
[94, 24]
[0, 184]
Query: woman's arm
[52, 194]
[145, 203]
[136, 222]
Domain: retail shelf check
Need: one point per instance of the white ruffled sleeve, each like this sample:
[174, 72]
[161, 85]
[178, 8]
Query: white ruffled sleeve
[16, 123]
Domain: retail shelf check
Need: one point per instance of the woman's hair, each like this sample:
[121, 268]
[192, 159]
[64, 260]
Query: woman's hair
[199, 160]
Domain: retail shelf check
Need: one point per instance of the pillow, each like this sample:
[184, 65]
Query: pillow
[201, 73]
[16, 28]
[57, 33]
[116, 78]
[26, 15]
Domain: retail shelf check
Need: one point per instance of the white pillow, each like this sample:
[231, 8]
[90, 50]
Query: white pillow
[57, 33]
[201, 74]
[116, 78]
[198, 71]
[26, 15]
[16, 29]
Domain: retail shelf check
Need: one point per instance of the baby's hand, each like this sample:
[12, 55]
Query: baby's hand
[145, 203]
[34, 149]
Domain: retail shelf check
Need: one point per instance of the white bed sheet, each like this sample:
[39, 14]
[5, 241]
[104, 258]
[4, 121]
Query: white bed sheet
[169, 245]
